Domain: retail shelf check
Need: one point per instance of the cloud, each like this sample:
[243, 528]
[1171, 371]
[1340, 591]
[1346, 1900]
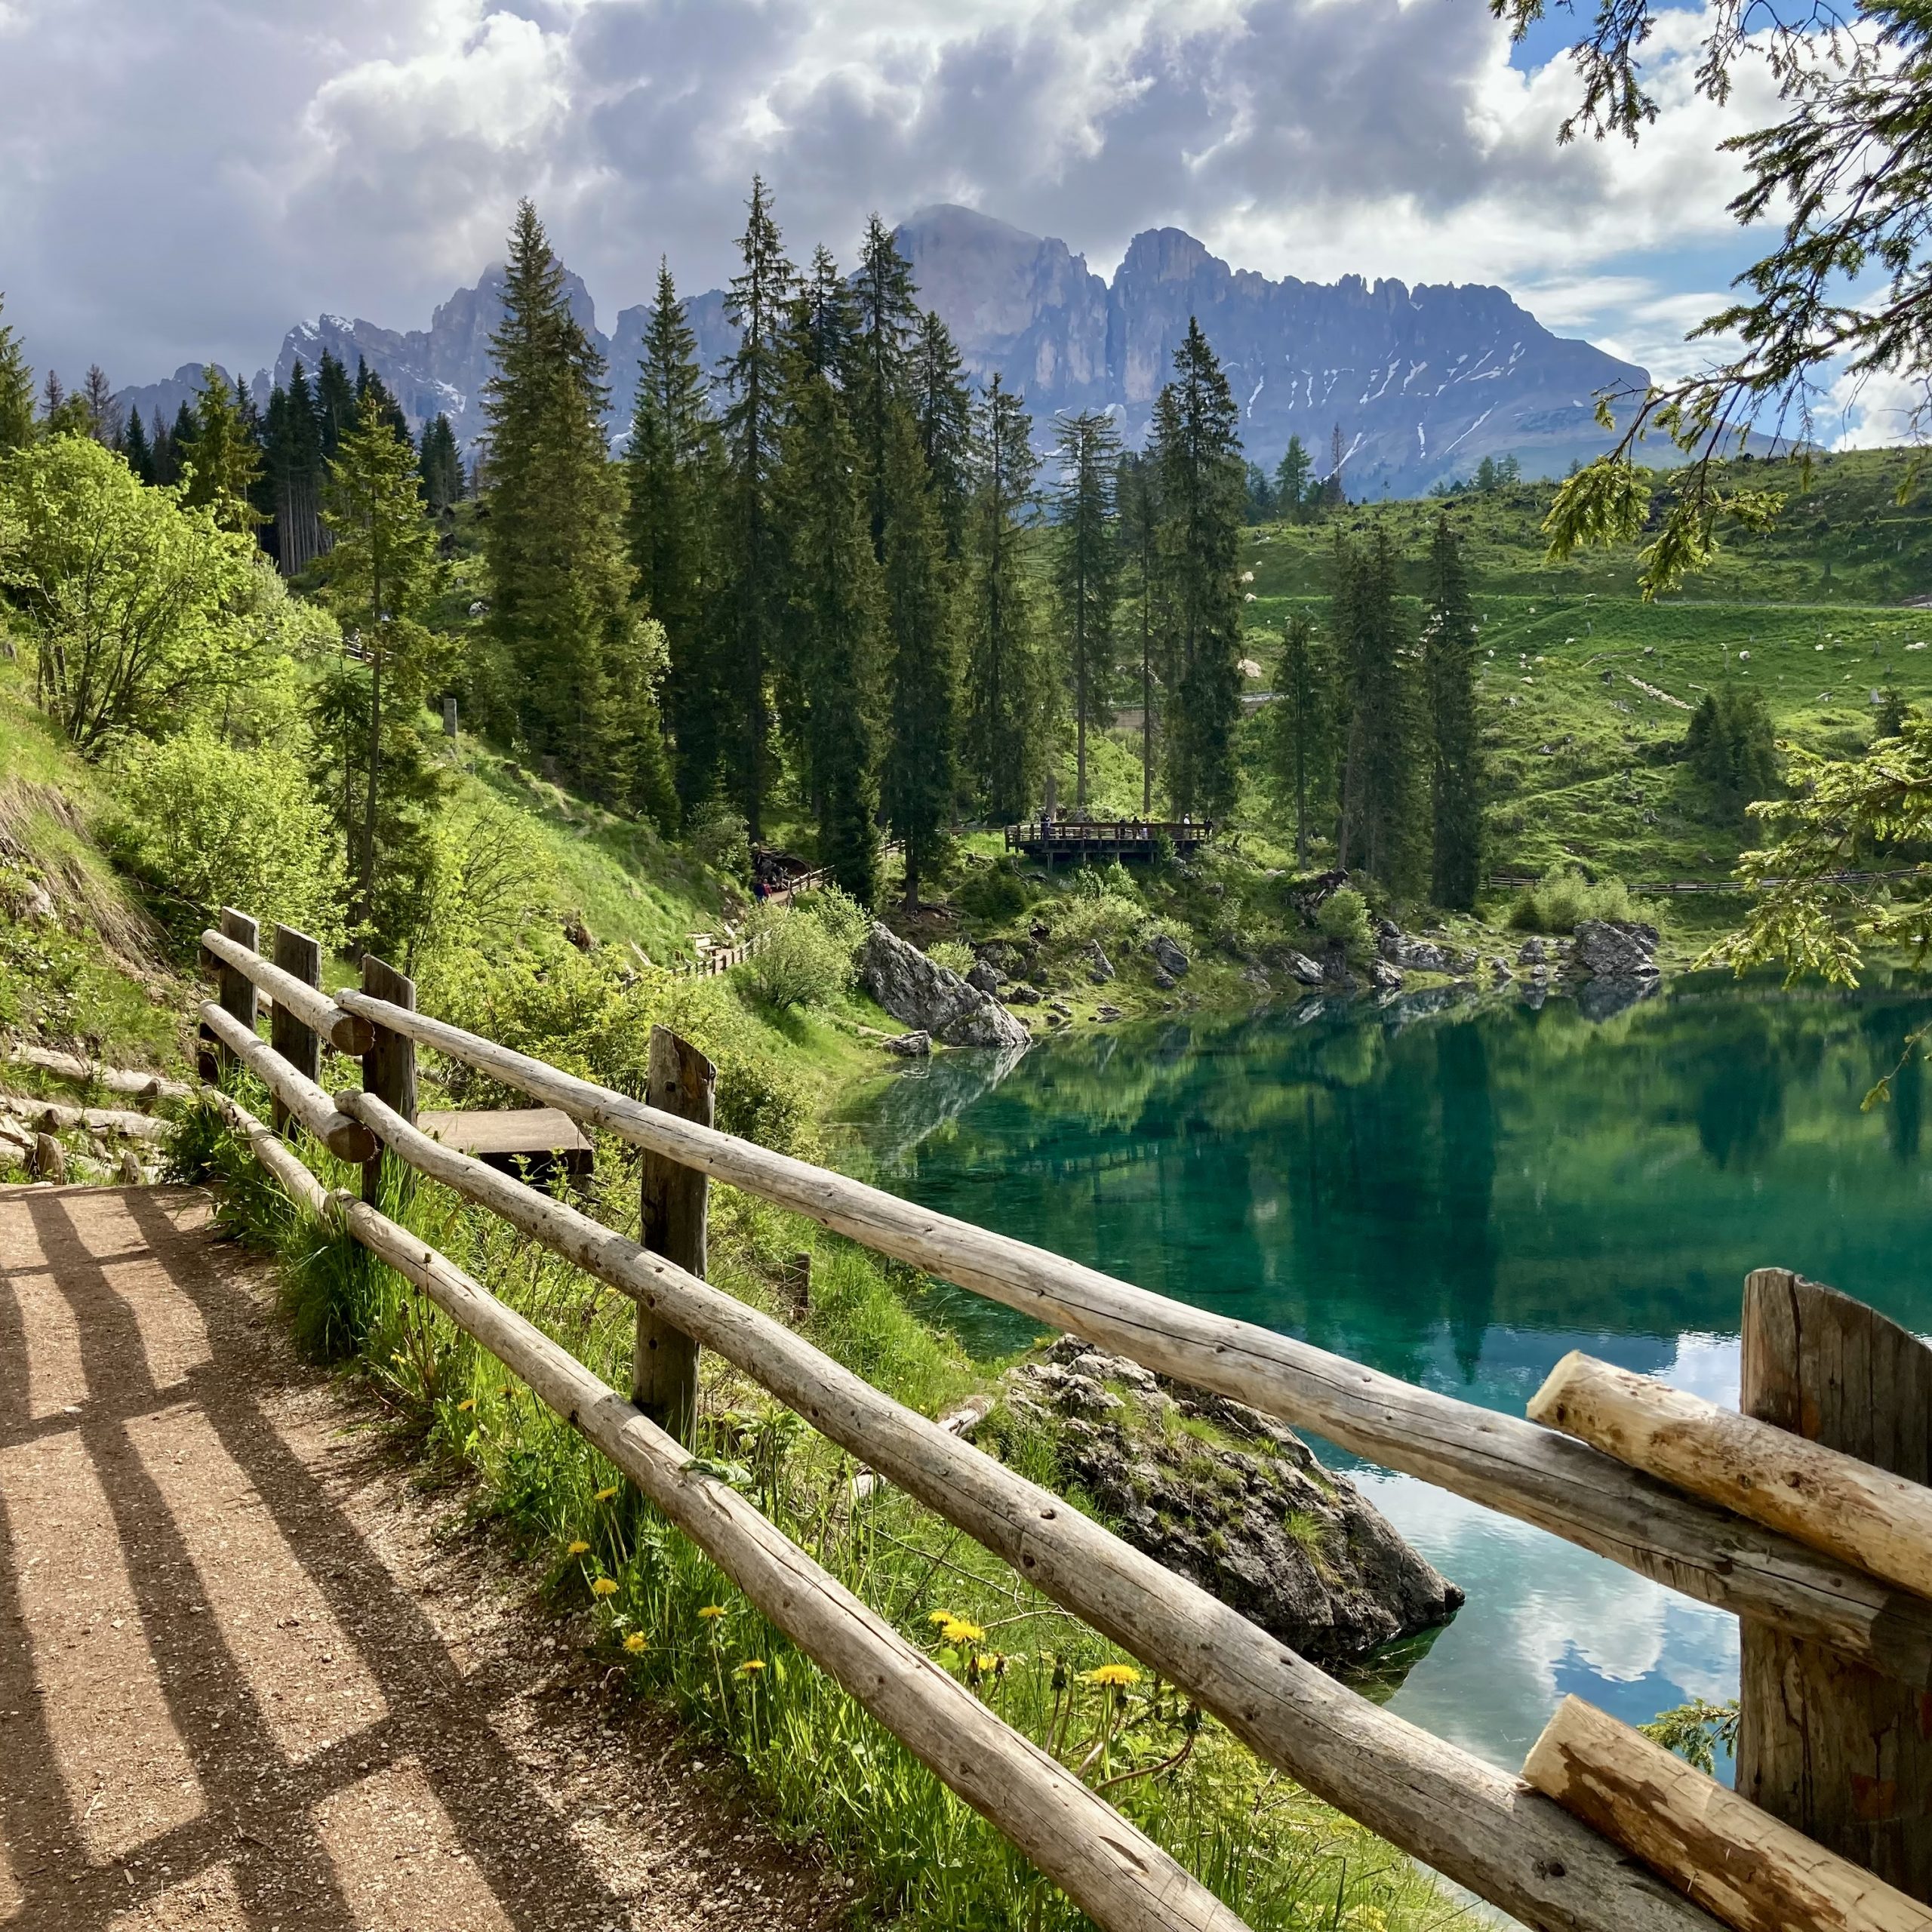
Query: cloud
[185, 181]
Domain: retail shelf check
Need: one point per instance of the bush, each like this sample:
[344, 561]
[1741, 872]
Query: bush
[207, 823]
[1343, 914]
[954, 954]
[797, 962]
[845, 921]
[1731, 744]
[993, 892]
[1564, 895]
[721, 839]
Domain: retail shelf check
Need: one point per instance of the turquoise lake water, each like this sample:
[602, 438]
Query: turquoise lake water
[1460, 1197]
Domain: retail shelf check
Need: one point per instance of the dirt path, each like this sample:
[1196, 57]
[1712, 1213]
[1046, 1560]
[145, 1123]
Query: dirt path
[244, 1681]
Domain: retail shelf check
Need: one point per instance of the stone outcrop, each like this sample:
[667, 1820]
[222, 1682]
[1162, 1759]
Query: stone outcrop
[920, 993]
[1169, 956]
[1615, 950]
[1234, 1502]
[1299, 966]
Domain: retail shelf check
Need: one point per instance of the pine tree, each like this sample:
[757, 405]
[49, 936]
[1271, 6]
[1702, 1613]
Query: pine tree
[942, 405]
[335, 403]
[382, 573]
[757, 303]
[52, 395]
[1300, 730]
[886, 327]
[922, 673]
[1136, 493]
[1086, 575]
[16, 428]
[1449, 674]
[673, 479]
[178, 443]
[1196, 451]
[822, 326]
[367, 384]
[136, 449]
[226, 460]
[1291, 481]
[440, 464]
[1007, 690]
[1380, 809]
[294, 440]
[834, 628]
[103, 418]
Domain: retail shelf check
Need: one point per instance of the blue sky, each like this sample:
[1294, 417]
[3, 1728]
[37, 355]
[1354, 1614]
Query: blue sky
[185, 181]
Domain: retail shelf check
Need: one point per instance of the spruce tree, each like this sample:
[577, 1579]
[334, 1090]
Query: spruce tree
[1137, 494]
[886, 326]
[1086, 576]
[672, 476]
[440, 464]
[296, 472]
[1380, 807]
[834, 628]
[16, 428]
[757, 303]
[1300, 730]
[335, 403]
[181, 445]
[1291, 481]
[942, 406]
[922, 672]
[1196, 451]
[135, 448]
[382, 573]
[367, 384]
[1008, 692]
[104, 419]
[1449, 674]
[226, 459]
[822, 328]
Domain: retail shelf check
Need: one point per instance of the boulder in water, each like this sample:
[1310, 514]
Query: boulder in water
[1615, 950]
[919, 992]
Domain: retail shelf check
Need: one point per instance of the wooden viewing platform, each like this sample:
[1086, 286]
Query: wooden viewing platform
[1106, 838]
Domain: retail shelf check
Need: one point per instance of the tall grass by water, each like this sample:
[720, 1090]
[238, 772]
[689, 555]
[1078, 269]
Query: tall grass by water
[648, 1601]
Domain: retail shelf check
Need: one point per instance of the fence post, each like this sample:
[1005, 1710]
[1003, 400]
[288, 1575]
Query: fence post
[234, 991]
[296, 953]
[389, 1068]
[1829, 1747]
[664, 1371]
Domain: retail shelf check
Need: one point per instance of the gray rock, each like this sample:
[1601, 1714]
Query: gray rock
[986, 976]
[50, 1159]
[910, 1046]
[1256, 978]
[1168, 956]
[1164, 981]
[1500, 973]
[919, 992]
[1301, 967]
[1613, 949]
[37, 906]
[1384, 977]
[1242, 1507]
[1533, 952]
[1098, 965]
[1603, 999]
[1018, 993]
[1416, 955]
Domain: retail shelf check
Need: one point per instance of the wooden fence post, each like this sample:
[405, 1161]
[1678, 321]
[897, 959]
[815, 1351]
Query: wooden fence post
[664, 1371]
[296, 953]
[1827, 1746]
[235, 991]
[389, 1068]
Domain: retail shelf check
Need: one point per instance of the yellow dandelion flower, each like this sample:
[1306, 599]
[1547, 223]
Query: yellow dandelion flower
[986, 1664]
[751, 1666]
[961, 1632]
[462, 1408]
[1115, 1676]
[604, 1495]
[635, 1642]
[577, 1549]
[604, 1587]
[712, 1612]
[939, 1618]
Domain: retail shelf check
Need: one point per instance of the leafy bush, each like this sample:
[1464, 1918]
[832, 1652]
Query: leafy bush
[1563, 896]
[720, 838]
[209, 825]
[954, 954]
[845, 921]
[1106, 917]
[797, 962]
[993, 892]
[1343, 914]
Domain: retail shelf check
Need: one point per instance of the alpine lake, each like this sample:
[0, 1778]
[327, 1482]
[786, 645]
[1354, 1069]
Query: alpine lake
[1458, 1191]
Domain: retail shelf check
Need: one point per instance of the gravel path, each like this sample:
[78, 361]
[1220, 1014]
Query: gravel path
[248, 1677]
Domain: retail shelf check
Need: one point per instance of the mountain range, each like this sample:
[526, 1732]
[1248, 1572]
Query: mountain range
[1417, 384]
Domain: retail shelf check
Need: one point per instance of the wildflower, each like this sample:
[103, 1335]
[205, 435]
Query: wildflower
[604, 1495]
[635, 1643]
[604, 1587]
[958, 1631]
[751, 1666]
[712, 1612]
[938, 1619]
[464, 1407]
[577, 1549]
[1114, 1676]
[986, 1664]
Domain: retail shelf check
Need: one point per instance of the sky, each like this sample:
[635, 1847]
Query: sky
[181, 181]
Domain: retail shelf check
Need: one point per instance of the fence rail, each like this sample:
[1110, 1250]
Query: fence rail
[1515, 1847]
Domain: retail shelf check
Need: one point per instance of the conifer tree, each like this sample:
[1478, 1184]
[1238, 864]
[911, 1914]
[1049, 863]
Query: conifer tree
[823, 326]
[382, 573]
[440, 464]
[226, 459]
[1086, 575]
[942, 406]
[294, 441]
[1449, 674]
[1137, 494]
[1380, 807]
[757, 303]
[16, 428]
[367, 384]
[1291, 481]
[1008, 692]
[335, 402]
[886, 325]
[1196, 451]
[834, 628]
[672, 477]
[180, 444]
[103, 419]
[135, 448]
[922, 674]
[1300, 730]
[52, 395]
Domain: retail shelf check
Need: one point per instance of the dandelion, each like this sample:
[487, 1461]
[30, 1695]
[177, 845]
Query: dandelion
[464, 1407]
[604, 1587]
[751, 1666]
[604, 1495]
[939, 1619]
[635, 1643]
[712, 1612]
[986, 1664]
[1113, 1676]
[958, 1631]
[577, 1549]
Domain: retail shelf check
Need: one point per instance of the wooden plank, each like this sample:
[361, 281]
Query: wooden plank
[53, 1118]
[150, 1086]
[1838, 1752]
[1501, 1461]
[348, 1140]
[1742, 1866]
[508, 1131]
[1864, 1516]
[297, 1181]
[299, 958]
[235, 989]
[1437, 1802]
[389, 1061]
[308, 1003]
[1119, 1878]
[676, 1202]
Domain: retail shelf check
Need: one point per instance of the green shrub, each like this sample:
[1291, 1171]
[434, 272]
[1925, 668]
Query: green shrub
[1343, 914]
[993, 892]
[1732, 744]
[954, 954]
[720, 838]
[1564, 895]
[844, 919]
[797, 962]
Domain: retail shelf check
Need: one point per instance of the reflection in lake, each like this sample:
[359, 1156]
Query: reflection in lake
[1458, 1198]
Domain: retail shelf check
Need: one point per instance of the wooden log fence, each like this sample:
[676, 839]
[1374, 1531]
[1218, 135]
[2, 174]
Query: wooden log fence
[1551, 1850]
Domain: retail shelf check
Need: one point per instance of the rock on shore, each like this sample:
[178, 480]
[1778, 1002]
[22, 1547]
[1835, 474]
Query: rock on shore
[920, 993]
[1230, 1500]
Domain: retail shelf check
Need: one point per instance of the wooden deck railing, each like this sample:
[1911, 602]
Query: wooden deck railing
[1518, 1848]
